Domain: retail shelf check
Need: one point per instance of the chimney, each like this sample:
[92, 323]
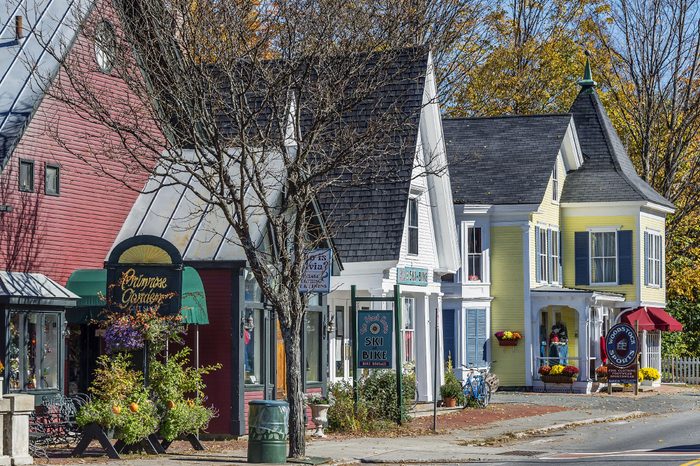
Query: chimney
[19, 30]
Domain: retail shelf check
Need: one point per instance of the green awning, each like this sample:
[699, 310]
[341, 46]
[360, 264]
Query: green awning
[91, 286]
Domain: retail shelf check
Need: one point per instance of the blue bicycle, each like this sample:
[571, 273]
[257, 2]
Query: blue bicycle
[475, 387]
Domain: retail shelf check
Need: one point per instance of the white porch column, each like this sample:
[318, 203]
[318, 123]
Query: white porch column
[583, 343]
[436, 302]
[644, 350]
[423, 348]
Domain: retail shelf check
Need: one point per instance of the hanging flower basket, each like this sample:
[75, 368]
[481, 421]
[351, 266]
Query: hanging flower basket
[508, 338]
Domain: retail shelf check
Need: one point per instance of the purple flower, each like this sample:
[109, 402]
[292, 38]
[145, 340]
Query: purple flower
[122, 336]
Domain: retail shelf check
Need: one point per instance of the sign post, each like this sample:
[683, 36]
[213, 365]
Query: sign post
[372, 332]
[622, 345]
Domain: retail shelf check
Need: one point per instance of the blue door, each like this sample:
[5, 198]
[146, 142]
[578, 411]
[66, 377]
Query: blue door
[448, 334]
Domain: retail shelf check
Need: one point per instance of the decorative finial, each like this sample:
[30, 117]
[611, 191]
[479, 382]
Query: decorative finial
[587, 81]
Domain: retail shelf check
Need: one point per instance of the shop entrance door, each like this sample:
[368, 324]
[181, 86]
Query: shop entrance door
[281, 365]
[341, 345]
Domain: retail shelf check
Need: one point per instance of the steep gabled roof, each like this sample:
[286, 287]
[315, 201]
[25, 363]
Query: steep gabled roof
[505, 159]
[26, 64]
[367, 221]
[607, 173]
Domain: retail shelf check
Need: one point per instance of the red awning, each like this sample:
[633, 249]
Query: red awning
[664, 320]
[639, 316]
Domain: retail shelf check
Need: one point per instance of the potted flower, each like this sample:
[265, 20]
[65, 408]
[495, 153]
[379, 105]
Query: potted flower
[601, 373]
[451, 391]
[650, 377]
[473, 278]
[319, 405]
[508, 338]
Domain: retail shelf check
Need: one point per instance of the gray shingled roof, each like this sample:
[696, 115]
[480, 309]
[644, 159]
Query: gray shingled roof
[607, 172]
[503, 160]
[25, 64]
[367, 221]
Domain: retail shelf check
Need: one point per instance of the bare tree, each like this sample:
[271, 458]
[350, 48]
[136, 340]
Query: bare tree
[654, 48]
[260, 109]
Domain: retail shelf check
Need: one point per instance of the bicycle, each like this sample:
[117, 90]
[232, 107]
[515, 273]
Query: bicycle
[476, 387]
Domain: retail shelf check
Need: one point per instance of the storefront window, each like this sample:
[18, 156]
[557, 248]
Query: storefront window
[339, 341]
[34, 350]
[252, 289]
[408, 316]
[312, 347]
[253, 340]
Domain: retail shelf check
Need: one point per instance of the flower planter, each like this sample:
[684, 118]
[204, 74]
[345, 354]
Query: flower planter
[450, 402]
[507, 342]
[565, 379]
[650, 383]
[319, 416]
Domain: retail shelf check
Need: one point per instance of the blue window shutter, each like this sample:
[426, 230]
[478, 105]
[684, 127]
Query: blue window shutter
[561, 261]
[538, 248]
[647, 272]
[582, 262]
[470, 356]
[481, 336]
[624, 257]
[549, 255]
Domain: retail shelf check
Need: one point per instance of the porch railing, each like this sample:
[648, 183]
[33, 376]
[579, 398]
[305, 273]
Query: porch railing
[586, 366]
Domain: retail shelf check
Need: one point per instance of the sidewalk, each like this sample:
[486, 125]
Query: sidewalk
[470, 442]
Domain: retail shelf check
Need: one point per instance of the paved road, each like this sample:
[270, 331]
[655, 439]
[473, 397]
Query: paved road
[667, 439]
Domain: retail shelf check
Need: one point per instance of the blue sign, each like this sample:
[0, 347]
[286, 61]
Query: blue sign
[412, 276]
[375, 330]
[622, 345]
[316, 277]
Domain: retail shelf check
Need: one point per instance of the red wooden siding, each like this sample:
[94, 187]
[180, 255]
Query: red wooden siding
[215, 345]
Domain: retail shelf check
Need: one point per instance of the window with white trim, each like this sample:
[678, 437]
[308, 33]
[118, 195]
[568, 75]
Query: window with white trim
[603, 257]
[474, 254]
[653, 256]
[555, 184]
[543, 247]
[554, 258]
[413, 226]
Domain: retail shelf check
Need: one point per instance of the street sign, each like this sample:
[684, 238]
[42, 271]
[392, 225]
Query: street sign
[622, 345]
[375, 330]
[317, 272]
[412, 276]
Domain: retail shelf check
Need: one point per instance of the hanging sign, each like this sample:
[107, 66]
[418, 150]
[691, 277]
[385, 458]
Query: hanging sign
[317, 272]
[144, 273]
[374, 348]
[622, 345]
[412, 276]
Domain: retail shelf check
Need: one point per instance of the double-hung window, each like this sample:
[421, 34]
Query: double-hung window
[554, 257]
[555, 184]
[542, 255]
[474, 254]
[26, 176]
[653, 251]
[413, 226]
[603, 257]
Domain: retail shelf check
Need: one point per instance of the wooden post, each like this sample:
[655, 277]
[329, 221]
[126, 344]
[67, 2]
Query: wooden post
[636, 360]
[353, 330]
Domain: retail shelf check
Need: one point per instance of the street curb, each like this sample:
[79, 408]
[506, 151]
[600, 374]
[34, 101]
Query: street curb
[509, 436]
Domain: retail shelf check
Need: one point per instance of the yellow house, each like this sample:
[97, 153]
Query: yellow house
[560, 239]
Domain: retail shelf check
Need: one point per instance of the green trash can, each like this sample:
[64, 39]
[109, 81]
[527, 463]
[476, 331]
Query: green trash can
[267, 431]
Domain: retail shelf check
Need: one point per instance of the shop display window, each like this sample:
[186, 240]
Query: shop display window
[312, 347]
[253, 340]
[33, 350]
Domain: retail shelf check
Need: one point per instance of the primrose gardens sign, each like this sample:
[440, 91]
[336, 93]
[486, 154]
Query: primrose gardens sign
[144, 273]
[375, 330]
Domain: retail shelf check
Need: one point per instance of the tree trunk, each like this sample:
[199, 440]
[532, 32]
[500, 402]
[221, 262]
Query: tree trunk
[295, 390]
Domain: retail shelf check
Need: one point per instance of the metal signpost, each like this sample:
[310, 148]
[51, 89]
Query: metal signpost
[622, 345]
[375, 331]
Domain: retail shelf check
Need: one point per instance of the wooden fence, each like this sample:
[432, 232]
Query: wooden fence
[681, 370]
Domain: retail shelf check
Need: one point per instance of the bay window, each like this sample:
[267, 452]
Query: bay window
[653, 253]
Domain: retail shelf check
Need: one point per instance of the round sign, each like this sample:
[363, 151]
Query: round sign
[374, 328]
[622, 345]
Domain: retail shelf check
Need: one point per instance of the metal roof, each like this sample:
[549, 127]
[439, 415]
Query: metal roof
[34, 288]
[27, 64]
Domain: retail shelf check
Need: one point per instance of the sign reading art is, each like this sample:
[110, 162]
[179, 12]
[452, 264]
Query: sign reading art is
[144, 273]
[317, 272]
[375, 330]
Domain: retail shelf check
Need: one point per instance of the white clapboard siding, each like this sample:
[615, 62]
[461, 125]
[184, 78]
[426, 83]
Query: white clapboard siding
[680, 370]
